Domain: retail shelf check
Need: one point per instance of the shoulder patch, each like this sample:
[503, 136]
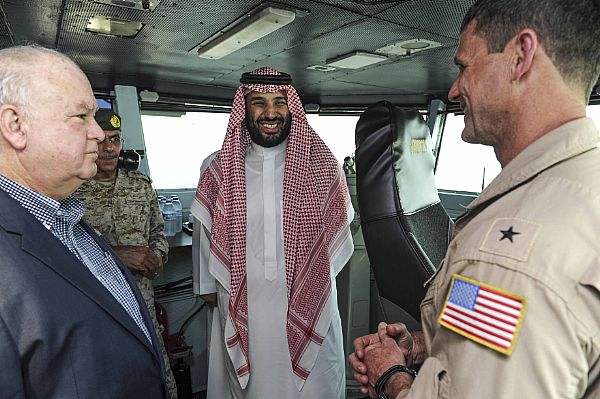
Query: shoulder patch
[510, 237]
[487, 315]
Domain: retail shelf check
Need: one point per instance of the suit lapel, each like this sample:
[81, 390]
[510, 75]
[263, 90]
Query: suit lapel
[40, 243]
[134, 288]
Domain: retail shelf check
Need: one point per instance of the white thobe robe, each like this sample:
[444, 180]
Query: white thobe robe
[271, 373]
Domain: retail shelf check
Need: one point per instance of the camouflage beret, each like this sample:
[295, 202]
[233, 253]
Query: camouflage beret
[107, 119]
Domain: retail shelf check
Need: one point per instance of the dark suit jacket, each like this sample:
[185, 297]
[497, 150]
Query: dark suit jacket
[62, 334]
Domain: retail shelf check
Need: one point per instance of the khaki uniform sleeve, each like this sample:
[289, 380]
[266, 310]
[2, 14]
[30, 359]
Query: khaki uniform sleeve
[432, 382]
[549, 360]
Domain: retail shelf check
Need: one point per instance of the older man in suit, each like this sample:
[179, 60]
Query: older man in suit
[72, 320]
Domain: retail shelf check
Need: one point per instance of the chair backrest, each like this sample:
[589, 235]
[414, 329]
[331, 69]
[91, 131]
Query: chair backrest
[406, 229]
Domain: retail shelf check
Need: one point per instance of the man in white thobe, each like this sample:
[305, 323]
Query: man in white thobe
[271, 234]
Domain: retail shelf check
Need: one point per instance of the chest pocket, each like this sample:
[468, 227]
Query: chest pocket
[590, 280]
[591, 277]
[132, 220]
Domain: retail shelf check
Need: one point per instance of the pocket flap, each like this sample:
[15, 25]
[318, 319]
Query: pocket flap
[432, 381]
[591, 277]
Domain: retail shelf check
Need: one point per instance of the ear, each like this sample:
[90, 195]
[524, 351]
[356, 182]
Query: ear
[11, 126]
[525, 47]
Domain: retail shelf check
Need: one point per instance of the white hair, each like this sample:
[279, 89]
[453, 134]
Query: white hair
[16, 73]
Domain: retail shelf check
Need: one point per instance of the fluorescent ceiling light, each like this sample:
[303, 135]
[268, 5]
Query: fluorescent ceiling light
[355, 60]
[249, 30]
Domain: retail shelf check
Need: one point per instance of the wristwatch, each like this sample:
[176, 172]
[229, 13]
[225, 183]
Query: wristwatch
[380, 384]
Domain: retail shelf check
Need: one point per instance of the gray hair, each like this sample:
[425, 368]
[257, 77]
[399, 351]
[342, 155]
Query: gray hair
[15, 76]
[567, 29]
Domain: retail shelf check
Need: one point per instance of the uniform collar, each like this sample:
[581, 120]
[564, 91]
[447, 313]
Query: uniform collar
[564, 142]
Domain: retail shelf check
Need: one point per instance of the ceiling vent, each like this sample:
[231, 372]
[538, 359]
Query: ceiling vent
[408, 47]
[321, 68]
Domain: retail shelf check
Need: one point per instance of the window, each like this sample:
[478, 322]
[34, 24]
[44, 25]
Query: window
[593, 111]
[104, 103]
[462, 166]
[177, 144]
[337, 132]
[469, 167]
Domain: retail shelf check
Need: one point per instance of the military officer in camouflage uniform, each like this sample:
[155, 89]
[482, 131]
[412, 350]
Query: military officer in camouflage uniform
[123, 207]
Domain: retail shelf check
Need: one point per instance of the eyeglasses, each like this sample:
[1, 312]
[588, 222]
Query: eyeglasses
[112, 140]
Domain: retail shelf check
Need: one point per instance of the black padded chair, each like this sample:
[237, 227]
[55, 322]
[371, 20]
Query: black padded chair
[405, 227]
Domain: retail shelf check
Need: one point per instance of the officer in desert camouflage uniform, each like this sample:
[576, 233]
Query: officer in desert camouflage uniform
[123, 207]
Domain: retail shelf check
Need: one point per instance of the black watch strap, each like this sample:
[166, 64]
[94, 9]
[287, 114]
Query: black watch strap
[398, 368]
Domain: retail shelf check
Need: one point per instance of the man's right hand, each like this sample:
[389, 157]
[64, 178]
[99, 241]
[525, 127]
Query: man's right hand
[412, 344]
[210, 299]
[412, 347]
[142, 259]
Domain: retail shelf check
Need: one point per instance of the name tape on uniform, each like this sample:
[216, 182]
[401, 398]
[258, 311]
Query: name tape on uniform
[487, 315]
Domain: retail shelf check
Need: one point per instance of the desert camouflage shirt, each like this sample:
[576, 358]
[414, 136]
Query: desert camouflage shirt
[125, 211]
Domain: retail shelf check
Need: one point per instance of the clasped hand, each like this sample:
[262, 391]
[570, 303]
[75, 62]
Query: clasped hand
[142, 259]
[375, 353]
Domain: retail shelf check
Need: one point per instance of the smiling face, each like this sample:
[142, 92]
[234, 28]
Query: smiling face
[268, 117]
[62, 135]
[482, 89]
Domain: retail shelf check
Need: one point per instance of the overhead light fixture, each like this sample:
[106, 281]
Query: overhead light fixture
[113, 27]
[251, 28]
[143, 5]
[355, 60]
[408, 47]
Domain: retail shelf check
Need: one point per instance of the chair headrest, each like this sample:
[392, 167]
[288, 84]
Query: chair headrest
[386, 130]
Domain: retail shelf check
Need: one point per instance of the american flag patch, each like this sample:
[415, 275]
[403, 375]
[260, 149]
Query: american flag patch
[485, 314]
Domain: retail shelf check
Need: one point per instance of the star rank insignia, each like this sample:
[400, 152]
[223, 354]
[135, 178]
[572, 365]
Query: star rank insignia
[510, 237]
[508, 234]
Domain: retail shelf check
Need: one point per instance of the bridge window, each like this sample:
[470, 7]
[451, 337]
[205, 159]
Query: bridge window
[593, 111]
[337, 132]
[462, 166]
[470, 167]
[177, 143]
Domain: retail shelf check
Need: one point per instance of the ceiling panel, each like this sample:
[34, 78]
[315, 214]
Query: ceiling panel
[438, 17]
[159, 57]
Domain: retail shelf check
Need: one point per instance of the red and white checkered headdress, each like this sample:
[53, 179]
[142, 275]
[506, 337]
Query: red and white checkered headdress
[315, 227]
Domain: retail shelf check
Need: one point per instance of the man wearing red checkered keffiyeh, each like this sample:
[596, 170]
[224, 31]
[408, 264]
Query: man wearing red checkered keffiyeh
[274, 212]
